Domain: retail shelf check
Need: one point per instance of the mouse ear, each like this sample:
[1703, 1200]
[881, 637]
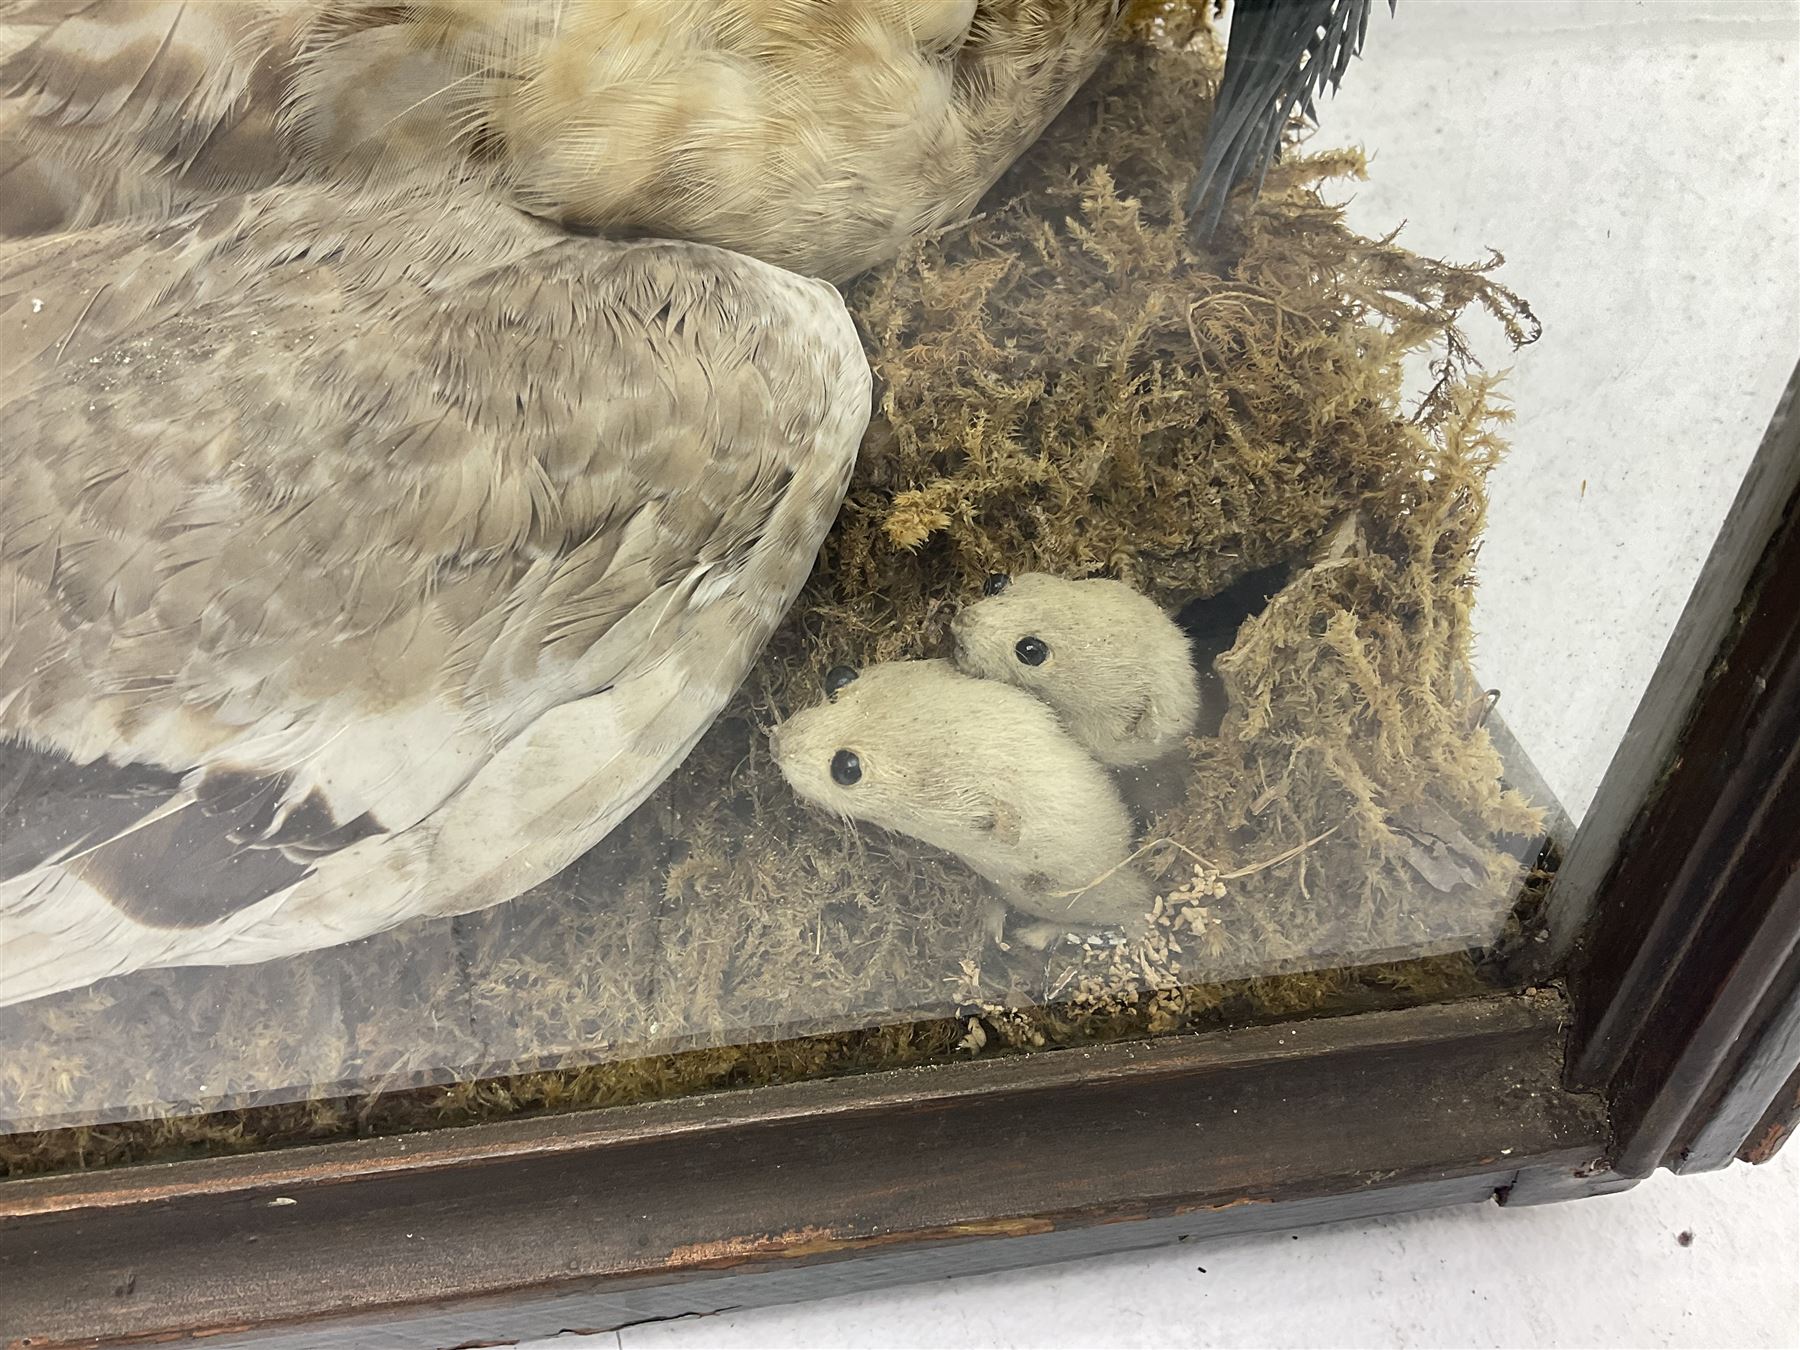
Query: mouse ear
[1001, 821]
[837, 677]
[1135, 718]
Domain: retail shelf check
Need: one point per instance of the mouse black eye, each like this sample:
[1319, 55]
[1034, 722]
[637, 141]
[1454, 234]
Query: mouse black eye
[846, 768]
[1032, 651]
[996, 582]
[837, 677]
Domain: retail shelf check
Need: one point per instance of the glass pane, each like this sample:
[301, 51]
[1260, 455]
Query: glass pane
[1651, 156]
[440, 678]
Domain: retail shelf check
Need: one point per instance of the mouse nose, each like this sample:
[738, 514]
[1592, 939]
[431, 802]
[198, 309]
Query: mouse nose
[775, 741]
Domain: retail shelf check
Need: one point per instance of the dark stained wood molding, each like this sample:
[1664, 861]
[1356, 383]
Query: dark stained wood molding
[1688, 978]
[606, 1217]
[1707, 628]
[1777, 1124]
[1738, 1118]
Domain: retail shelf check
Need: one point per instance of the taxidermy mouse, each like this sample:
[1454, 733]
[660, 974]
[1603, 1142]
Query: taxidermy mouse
[1116, 669]
[1129, 682]
[981, 770]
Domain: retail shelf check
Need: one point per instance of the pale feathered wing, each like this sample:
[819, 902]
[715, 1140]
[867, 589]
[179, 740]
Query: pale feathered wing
[815, 134]
[364, 558]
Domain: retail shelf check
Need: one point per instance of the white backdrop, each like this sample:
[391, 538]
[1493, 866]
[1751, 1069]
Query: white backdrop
[1638, 164]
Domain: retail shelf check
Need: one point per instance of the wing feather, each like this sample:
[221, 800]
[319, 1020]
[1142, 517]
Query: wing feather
[114, 107]
[299, 622]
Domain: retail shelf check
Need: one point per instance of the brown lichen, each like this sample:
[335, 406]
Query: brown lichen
[1067, 385]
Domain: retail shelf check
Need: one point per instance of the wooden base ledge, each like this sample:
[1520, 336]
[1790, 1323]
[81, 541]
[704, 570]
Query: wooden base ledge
[596, 1220]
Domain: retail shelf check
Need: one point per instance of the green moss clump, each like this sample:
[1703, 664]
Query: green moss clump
[1067, 385]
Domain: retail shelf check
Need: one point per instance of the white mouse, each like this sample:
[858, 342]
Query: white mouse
[978, 769]
[1118, 671]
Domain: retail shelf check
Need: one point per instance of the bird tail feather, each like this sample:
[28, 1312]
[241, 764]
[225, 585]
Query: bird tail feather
[1279, 54]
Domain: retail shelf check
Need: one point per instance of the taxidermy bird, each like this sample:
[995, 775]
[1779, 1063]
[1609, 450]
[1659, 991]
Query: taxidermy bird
[818, 135]
[1278, 55]
[372, 541]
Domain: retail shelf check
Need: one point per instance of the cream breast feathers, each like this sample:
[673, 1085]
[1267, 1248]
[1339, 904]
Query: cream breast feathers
[815, 134]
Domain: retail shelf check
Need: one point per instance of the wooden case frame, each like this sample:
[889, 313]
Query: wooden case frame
[1674, 1041]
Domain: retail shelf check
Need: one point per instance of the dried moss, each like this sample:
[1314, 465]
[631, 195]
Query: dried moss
[1066, 385]
[653, 1078]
